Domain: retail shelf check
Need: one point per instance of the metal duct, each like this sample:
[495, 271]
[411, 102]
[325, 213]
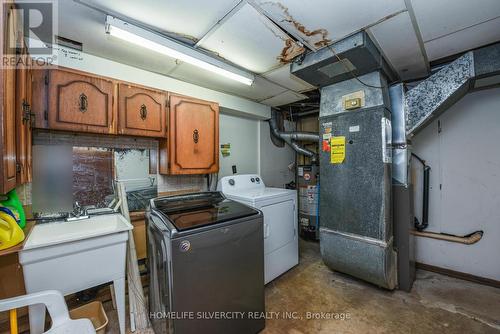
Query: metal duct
[356, 233]
[304, 151]
[290, 137]
[402, 191]
[479, 68]
[358, 55]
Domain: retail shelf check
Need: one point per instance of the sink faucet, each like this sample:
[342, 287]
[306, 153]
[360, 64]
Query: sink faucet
[78, 210]
[78, 213]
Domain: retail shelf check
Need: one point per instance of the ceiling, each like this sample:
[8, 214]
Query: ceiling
[262, 36]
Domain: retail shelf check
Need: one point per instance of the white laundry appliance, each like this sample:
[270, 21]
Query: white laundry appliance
[279, 206]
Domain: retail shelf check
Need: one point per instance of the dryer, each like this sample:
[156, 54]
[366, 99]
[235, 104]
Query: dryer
[279, 207]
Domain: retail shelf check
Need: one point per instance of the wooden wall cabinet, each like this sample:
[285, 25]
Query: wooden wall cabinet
[193, 137]
[141, 111]
[24, 118]
[188, 128]
[80, 103]
[8, 105]
[39, 106]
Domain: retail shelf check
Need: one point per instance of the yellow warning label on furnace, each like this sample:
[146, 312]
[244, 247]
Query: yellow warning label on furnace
[337, 152]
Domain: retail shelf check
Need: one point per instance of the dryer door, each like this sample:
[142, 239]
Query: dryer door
[279, 225]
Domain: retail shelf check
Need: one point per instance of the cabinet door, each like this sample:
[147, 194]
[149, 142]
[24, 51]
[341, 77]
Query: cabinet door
[8, 105]
[193, 136]
[24, 119]
[80, 103]
[141, 111]
[39, 98]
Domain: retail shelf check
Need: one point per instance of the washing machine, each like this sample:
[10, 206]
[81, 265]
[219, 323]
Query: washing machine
[279, 206]
[205, 256]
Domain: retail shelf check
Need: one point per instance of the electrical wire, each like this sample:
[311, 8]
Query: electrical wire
[422, 161]
[354, 76]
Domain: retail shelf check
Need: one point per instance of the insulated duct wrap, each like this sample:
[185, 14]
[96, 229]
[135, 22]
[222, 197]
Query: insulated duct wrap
[479, 68]
[437, 93]
[368, 259]
[356, 235]
[356, 231]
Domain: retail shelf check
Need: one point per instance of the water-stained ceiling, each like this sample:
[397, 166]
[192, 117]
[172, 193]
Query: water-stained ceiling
[264, 36]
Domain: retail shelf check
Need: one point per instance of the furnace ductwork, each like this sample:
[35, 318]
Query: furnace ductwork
[290, 137]
[356, 230]
[479, 68]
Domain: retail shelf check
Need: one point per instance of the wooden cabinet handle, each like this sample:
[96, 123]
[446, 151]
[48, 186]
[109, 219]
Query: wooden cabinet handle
[196, 136]
[83, 102]
[28, 116]
[143, 112]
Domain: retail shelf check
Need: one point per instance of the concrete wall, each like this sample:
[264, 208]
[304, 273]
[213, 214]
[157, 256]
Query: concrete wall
[242, 133]
[465, 161]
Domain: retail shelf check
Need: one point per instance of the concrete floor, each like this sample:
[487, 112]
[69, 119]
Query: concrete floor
[436, 303]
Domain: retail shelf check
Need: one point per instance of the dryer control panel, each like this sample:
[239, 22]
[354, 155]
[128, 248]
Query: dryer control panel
[240, 182]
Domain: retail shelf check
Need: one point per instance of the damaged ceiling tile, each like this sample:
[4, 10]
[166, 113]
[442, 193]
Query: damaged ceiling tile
[252, 41]
[316, 24]
[314, 39]
[290, 51]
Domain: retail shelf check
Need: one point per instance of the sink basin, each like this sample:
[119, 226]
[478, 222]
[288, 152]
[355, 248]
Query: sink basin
[61, 232]
[74, 256]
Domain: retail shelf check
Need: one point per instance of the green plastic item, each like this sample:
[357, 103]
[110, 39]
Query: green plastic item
[13, 202]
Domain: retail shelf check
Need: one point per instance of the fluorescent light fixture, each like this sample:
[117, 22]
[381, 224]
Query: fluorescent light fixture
[147, 39]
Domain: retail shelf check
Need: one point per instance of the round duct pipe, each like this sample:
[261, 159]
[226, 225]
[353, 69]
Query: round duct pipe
[290, 137]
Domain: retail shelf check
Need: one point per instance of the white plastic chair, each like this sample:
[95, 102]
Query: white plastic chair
[54, 301]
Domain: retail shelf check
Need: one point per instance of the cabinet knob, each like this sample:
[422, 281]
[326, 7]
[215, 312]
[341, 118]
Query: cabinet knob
[196, 136]
[143, 112]
[83, 102]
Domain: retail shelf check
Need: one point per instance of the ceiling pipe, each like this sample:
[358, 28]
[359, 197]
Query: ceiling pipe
[290, 137]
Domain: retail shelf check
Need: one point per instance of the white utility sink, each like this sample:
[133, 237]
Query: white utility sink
[73, 256]
[59, 232]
